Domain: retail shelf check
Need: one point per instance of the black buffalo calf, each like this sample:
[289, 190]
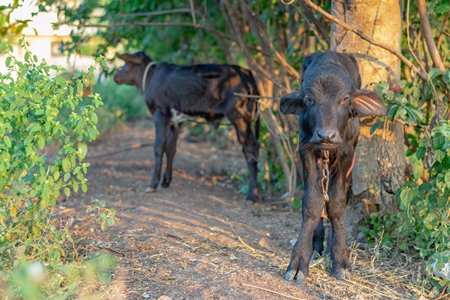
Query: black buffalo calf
[172, 92]
[328, 105]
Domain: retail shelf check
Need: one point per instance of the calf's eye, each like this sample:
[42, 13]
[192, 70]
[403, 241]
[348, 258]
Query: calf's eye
[308, 100]
[345, 100]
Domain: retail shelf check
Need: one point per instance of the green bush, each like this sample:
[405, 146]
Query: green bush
[36, 260]
[422, 224]
[121, 102]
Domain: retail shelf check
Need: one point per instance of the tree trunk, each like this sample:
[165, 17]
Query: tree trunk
[380, 158]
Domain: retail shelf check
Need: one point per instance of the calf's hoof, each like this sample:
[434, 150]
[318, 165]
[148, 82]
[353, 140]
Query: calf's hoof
[291, 276]
[343, 274]
[149, 190]
[165, 184]
[254, 198]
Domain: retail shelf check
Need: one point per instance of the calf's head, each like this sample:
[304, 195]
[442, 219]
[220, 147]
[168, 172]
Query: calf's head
[132, 72]
[328, 98]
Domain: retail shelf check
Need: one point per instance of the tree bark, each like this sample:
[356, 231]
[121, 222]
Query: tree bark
[380, 158]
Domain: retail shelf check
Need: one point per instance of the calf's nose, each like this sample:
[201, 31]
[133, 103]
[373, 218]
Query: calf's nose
[326, 136]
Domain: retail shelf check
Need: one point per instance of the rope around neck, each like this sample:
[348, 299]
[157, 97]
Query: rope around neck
[144, 79]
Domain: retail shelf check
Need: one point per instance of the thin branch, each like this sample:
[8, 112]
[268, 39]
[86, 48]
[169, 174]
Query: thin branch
[428, 35]
[157, 13]
[310, 17]
[255, 96]
[156, 24]
[442, 33]
[123, 149]
[191, 2]
[366, 38]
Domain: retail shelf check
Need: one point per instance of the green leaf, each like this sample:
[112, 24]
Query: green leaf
[420, 152]
[66, 164]
[75, 187]
[79, 87]
[67, 191]
[7, 141]
[41, 142]
[375, 126]
[94, 118]
[439, 155]
[77, 75]
[443, 8]
[406, 196]
[8, 61]
[82, 150]
[66, 177]
[430, 221]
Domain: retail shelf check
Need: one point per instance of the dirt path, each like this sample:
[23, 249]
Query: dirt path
[197, 239]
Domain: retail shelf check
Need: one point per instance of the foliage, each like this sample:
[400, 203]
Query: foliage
[221, 33]
[31, 179]
[422, 222]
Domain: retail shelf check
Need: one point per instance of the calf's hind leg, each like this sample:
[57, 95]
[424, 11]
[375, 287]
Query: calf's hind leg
[170, 149]
[341, 267]
[162, 125]
[250, 147]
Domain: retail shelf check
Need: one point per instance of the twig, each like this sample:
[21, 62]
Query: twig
[123, 149]
[255, 96]
[270, 291]
[125, 24]
[112, 250]
[191, 3]
[442, 33]
[374, 291]
[240, 240]
[366, 38]
[309, 15]
[426, 31]
[156, 24]
[157, 13]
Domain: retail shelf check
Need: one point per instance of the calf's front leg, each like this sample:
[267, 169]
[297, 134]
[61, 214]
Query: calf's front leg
[162, 125]
[301, 254]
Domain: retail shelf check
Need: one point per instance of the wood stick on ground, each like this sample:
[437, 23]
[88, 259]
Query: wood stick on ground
[270, 291]
[249, 247]
[123, 149]
[240, 240]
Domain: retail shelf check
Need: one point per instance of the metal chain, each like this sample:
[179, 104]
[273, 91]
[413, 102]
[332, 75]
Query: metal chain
[325, 175]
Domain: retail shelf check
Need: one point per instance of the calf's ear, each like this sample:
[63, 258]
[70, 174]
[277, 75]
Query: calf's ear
[291, 103]
[130, 58]
[368, 103]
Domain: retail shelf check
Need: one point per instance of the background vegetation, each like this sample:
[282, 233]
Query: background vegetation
[271, 39]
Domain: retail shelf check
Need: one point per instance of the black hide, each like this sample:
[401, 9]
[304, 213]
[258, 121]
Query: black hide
[201, 90]
[327, 104]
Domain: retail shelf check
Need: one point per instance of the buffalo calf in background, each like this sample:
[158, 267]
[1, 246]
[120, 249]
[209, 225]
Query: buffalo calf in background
[328, 105]
[172, 92]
